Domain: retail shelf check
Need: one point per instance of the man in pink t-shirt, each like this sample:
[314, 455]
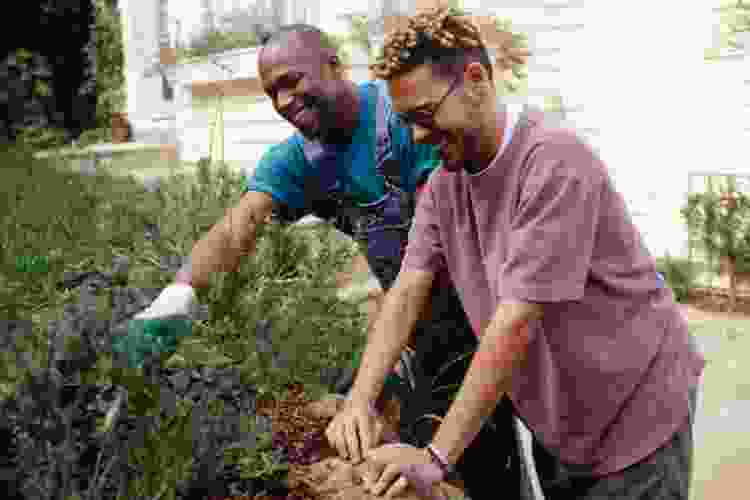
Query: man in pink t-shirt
[575, 324]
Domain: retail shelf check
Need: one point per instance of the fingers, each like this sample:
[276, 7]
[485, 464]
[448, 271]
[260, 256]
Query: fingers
[367, 431]
[398, 488]
[371, 474]
[336, 437]
[353, 434]
[352, 429]
[386, 479]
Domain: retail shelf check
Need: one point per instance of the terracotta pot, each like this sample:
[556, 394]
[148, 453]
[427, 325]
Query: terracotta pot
[120, 128]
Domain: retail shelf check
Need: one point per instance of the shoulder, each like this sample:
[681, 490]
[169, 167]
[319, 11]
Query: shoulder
[556, 149]
[287, 155]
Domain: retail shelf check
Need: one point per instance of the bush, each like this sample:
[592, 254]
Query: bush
[41, 138]
[83, 223]
[215, 41]
[95, 136]
[679, 273]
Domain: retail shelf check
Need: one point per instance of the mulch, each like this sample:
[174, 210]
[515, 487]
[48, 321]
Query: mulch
[329, 478]
[708, 304]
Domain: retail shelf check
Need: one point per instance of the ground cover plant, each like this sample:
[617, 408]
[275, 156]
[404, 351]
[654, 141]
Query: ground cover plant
[76, 422]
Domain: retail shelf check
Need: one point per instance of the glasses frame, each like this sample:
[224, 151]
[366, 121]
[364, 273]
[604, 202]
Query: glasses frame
[426, 119]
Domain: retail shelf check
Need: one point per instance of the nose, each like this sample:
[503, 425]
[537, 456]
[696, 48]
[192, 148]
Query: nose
[420, 134]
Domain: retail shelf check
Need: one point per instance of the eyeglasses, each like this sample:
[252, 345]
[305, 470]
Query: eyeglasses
[425, 118]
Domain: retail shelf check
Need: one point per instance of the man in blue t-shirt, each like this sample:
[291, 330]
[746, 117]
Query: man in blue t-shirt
[352, 162]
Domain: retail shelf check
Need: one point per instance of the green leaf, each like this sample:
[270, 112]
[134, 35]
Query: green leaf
[200, 353]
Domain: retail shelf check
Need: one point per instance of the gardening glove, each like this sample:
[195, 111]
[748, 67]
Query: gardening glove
[357, 428]
[394, 467]
[156, 329]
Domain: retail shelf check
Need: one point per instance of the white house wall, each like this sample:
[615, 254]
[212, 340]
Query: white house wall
[247, 133]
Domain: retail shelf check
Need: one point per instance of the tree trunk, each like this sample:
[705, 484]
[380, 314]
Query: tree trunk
[732, 284]
[729, 266]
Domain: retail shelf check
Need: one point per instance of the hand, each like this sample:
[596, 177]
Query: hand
[156, 329]
[356, 429]
[393, 467]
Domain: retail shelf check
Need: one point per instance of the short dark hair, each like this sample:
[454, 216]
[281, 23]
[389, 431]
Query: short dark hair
[283, 33]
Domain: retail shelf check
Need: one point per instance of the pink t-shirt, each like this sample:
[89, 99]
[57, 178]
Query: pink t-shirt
[607, 372]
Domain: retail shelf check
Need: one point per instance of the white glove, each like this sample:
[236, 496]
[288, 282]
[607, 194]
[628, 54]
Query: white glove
[177, 299]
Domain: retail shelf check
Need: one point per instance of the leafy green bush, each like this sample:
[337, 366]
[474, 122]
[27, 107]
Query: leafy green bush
[41, 138]
[217, 41]
[110, 63]
[95, 136]
[80, 223]
[679, 273]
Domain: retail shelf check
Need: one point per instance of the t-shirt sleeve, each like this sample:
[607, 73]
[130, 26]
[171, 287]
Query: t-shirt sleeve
[424, 250]
[281, 172]
[551, 241]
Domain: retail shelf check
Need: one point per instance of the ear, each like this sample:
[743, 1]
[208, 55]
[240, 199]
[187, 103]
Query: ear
[337, 68]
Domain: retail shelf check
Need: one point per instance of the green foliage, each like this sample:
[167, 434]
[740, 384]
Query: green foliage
[95, 136]
[720, 230]
[216, 41]
[519, 79]
[79, 223]
[110, 63]
[680, 274]
[734, 18]
[41, 138]
[359, 32]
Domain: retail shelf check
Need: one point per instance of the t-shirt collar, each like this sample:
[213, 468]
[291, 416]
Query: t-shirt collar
[512, 112]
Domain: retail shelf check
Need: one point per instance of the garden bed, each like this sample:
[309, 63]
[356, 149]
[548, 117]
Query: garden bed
[714, 302]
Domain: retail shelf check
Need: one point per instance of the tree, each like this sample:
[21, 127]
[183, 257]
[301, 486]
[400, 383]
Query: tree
[359, 32]
[734, 20]
[54, 85]
[516, 50]
[720, 224]
[110, 77]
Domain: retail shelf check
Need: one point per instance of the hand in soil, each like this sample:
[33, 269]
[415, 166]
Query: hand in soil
[394, 467]
[355, 430]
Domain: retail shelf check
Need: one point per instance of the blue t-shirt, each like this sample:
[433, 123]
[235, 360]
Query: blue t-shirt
[283, 169]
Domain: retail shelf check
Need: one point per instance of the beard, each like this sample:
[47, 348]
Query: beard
[327, 113]
[313, 115]
[462, 151]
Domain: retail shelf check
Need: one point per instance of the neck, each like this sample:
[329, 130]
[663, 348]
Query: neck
[492, 131]
[347, 114]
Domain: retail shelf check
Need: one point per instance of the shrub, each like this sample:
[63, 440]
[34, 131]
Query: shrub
[83, 223]
[95, 136]
[41, 138]
[679, 273]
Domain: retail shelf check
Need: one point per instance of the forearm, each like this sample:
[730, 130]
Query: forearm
[387, 338]
[220, 250]
[501, 350]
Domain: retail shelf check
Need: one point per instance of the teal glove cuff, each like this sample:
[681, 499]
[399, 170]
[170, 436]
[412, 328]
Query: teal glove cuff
[151, 336]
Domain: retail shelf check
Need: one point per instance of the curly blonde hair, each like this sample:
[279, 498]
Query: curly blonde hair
[443, 36]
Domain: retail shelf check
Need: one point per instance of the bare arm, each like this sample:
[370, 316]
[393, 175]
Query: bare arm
[231, 238]
[390, 333]
[502, 348]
